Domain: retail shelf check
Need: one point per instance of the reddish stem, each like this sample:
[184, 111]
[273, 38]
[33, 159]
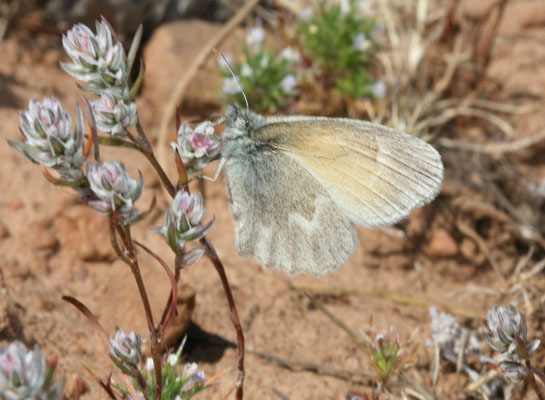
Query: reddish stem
[533, 381]
[155, 339]
[211, 252]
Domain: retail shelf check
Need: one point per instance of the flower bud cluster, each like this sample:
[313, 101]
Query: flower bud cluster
[115, 189]
[50, 137]
[507, 334]
[97, 59]
[100, 61]
[26, 374]
[196, 147]
[126, 351]
[113, 114]
[183, 223]
[447, 333]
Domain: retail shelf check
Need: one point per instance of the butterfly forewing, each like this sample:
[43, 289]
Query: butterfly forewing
[375, 175]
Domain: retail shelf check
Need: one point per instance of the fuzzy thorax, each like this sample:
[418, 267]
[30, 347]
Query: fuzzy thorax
[239, 137]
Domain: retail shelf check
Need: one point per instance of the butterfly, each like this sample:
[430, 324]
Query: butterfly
[298, 184]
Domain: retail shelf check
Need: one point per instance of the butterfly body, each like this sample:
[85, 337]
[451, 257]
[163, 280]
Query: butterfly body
[299, 184]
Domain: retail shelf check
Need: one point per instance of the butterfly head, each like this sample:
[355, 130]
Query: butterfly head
[241, 122]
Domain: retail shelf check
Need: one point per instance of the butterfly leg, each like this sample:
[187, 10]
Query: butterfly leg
[218, 171]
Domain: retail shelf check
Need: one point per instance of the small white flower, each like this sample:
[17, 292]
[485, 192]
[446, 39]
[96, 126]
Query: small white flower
[150, 366]
[361, 42]
[444, 328]
[364, 7]
[291, 55]
[246, 70]
[379, 89]
[172, 360]
[192, 370]
[256, 36]
[264, 62]
[345, 6]
[196, 147]
[288, 83]
[306, 13]
[231, 86]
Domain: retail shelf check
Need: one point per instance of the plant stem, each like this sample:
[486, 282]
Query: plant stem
[177, 268]
[145, 148]
[155, 342]
[211, 252]
[533, 381]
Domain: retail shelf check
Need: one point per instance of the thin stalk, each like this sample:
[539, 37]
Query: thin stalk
[145, 148]
[155, 343]
[162, 175]
[212, 255]
[177, 269]
[533, 381]
[142, 383]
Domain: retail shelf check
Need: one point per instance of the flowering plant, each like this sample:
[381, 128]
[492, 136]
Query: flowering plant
[266, 76]
[341, 41]
[99, 61]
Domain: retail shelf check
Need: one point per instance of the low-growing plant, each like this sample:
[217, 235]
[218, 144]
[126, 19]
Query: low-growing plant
[126, 353]
[266, 75]
[340, 40]
[389, 357]
[70, 157]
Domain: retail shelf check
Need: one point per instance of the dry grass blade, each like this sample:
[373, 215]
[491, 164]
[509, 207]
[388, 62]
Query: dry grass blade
[494, 148]
[452, 113]
[483, 380]
[280, 395]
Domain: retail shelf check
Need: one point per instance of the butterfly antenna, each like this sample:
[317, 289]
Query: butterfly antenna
[234, 76]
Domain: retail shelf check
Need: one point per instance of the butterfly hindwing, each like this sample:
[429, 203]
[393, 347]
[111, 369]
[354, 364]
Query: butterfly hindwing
[284, 217]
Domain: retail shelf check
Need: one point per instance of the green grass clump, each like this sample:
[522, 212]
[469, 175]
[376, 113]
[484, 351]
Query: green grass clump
[339, 39]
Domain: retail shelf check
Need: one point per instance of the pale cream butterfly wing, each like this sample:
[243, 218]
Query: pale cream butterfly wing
[284, 217]
[303, 181]
[374, 174]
